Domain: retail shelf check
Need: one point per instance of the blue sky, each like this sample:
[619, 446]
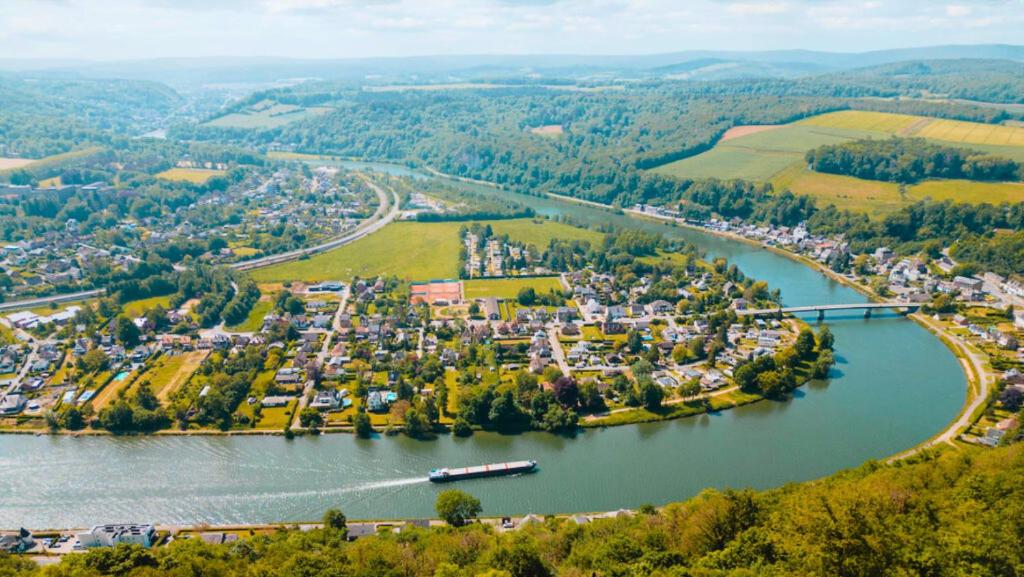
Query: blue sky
[130, 29]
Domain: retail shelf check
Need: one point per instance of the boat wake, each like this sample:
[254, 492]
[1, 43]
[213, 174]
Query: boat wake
[389, 483]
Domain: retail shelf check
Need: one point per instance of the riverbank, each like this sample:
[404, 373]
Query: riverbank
[975, 367]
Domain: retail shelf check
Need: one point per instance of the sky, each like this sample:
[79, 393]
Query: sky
[138, 29]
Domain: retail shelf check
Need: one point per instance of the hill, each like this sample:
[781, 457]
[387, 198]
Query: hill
[956, 513]
[734, 64]
[776, 155]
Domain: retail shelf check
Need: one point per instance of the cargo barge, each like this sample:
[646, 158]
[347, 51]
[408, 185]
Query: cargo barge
[494, 470]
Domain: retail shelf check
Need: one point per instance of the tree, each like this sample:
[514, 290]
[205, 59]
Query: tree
[416, 424]
[462, 428]
[335, 519]
[505, 413]
[310, 418]
[566, 391]
[1012, 399]
[522, 559]
[590, 396]
[822, 365]
[94, 361]
[361, 423]
[71, 419]
[634, 342]
[457, 507]
[526, 296]
[804, 345]
[127, 332]
[651, 395]
[680, 354]
[826, 340]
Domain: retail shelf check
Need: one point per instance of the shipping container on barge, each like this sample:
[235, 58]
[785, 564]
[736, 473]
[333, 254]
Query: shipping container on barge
[493, 470]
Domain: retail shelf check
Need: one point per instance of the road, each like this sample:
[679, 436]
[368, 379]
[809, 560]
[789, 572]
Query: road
[973, 363]
[322, 356]
[556, 351]
[385, 214]
[31, 303]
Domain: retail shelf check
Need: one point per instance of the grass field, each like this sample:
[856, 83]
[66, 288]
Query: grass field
[864, 120]
[413, 251]
[846, 192]
[110, 392]
[410, 250]
[12, 163]
[41, 166]
[761, 155]
[275, 418]
[170, 372]
[267, 114]
[139, 307]
[508, 288]
[254, 321]
[540, 233]
[776, 156]
[969, 191]
[193, 175]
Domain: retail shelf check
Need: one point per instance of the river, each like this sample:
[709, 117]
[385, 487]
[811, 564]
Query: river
[894, 386]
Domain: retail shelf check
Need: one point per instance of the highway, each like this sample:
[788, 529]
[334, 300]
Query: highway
[385, 214]
[41, 301]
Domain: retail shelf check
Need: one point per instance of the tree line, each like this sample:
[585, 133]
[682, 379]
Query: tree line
[910, 160]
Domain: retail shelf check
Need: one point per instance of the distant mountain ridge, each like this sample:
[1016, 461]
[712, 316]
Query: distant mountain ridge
[692, 64]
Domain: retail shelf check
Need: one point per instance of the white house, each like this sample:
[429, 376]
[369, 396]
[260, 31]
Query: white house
[110, 535]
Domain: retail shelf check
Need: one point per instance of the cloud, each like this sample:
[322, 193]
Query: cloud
[120, 29]
[758, 8]
[957, 10]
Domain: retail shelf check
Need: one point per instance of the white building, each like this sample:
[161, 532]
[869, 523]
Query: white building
[110, 535]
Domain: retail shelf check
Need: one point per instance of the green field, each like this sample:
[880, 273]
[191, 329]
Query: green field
[846, 192]
[409, 250]
[138, 308]
[414, 251]
[46, 166]
[776, 156]
[761, 155]
[508, 288]
[969, 191]
[254, 321]
[540, 233]
[266, 114]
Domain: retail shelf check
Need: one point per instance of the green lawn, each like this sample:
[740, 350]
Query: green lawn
[138, 308]
[508, 288]
[410, 250]
[267, 115]
[415, 251]
[170, 372]
[254, 321]
[540, 232]
[275, 418]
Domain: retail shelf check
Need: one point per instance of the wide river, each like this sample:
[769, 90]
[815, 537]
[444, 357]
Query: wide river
[894, 386]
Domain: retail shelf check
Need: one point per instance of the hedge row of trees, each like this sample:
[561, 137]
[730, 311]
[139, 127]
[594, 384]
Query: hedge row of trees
[910, 160]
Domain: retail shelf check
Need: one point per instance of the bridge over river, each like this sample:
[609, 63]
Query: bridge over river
[901, 307]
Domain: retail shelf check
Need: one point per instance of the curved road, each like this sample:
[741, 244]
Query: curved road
[385, 214]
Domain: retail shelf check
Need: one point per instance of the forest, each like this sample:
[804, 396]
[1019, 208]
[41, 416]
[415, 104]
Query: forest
[953, 513]
[910, 160]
